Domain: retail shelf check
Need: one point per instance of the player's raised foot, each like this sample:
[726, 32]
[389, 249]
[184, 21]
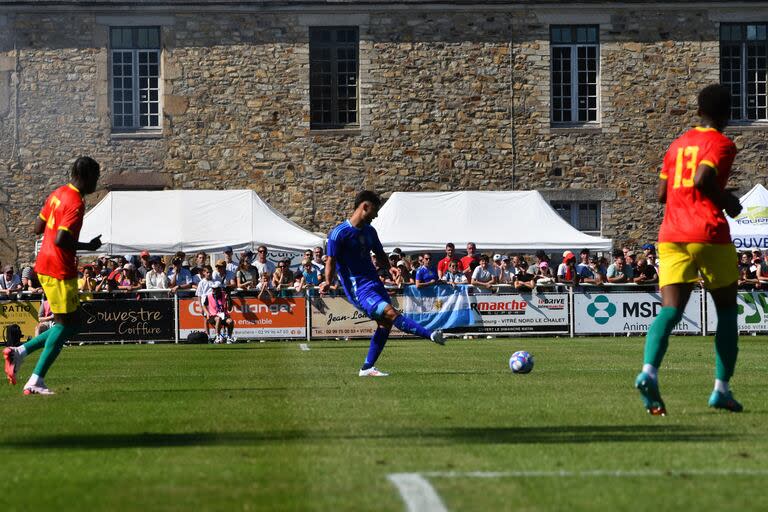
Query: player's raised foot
[11, 364]
[39, 389]
[372, 372]
[649, 392]
[437, 337]
[718, 400]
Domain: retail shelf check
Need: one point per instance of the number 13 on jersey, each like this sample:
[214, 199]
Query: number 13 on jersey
[687, 161]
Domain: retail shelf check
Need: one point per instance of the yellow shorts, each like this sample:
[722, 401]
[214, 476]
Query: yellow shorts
[682, 262]
[62, 294]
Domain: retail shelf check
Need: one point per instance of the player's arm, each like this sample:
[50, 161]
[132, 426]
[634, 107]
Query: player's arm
[706, 182]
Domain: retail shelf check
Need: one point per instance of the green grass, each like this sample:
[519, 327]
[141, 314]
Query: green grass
[271, 427]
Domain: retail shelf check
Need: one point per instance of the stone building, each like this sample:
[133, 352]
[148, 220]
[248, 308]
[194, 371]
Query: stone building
[308, 101]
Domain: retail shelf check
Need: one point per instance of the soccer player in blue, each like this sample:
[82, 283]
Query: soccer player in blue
[350, 245]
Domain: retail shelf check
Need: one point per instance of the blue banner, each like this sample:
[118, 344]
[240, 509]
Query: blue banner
[439, 306]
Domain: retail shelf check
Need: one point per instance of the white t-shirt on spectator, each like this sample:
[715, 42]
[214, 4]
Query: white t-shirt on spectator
[227, 280]
[13, 283]
[320, 266]
[232, 267]
[156, 280]
[204, 287]
[267, 267]
[506, 276]
[484, 276]
[457, 278]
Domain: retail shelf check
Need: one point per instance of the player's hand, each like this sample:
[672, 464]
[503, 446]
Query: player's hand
[94, 244]
[732, 205]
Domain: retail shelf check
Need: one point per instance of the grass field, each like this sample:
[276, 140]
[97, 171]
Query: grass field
[273, 427]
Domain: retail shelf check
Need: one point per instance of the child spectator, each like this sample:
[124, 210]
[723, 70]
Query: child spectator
[44, 317]
[87, 284]
[264, 287]
[218, 313]
[309, 276]
[453, 275]
[179, 277]
[156, 278]
[224, 276]
[566, 271]
[483, 278]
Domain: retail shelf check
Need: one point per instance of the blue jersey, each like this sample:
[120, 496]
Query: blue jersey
[351, 247]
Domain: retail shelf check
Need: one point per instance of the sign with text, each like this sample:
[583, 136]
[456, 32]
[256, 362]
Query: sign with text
[753, 312]
[127, 320]
[524, 312]
[631, 312]
[335, 317]
[23, 313]
[254, 318]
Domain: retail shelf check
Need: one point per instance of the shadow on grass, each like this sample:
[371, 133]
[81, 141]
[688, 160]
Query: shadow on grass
[424, 437]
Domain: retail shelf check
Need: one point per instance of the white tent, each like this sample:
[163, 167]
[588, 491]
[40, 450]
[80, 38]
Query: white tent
[750, 229]
[503, 221]
[191, 220]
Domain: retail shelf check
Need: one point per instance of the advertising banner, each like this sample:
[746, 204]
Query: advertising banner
[753, 312]
[23, 313]
[281, 318]
[127, 320]
[527, 312]
[630, 312]
[335, 317]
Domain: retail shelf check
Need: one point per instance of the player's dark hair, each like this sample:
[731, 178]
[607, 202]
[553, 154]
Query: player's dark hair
[85, 167]
[715, 102]
[367, 195]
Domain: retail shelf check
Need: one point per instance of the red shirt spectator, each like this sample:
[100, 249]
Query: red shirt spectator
[450, 255]
[471, 260]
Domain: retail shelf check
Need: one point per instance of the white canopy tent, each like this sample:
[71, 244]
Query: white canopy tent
[750, 229]
[503, 221]
[167, 221]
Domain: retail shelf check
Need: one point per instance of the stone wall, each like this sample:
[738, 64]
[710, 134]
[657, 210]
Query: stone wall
[450, 100]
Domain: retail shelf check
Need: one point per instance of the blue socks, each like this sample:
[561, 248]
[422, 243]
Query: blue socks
[411, 327]
[378, 340]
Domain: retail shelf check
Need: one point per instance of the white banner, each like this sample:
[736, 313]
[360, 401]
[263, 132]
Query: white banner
[753, 312]
[631, 312]
[529, 312]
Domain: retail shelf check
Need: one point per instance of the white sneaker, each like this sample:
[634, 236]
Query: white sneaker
[372, 372]
[437, 337]
[233, 339]
[218, 340]
[40, 389]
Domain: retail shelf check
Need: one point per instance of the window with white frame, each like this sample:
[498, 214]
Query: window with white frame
[744, 69]
[333, 77]
[575, 56]
[583, 215]
[135, 77]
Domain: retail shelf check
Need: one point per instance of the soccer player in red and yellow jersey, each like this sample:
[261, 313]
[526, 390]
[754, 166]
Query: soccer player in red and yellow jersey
[695, 243]
[60, 220]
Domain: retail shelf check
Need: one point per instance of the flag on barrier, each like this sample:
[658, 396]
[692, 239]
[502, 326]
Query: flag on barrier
[438, 307]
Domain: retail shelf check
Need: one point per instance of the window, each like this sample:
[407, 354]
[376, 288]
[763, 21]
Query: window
[574, 57]
[743, 68]
[135, 53]
[583, 215]
[333, 84]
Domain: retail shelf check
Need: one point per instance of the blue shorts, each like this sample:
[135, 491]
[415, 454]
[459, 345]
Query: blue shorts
[371, 300]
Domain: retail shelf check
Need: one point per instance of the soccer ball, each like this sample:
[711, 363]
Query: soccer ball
[521, 362]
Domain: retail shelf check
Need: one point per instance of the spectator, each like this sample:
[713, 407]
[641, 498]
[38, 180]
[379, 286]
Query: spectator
[651, 260]
[450, 255]
[224, 276]
[128, 282]
[247, 276]
[587, 274]
[29, 281]
[87, 284]
[264, 287]
[425, 276]
[10, 282]
[762, 271]
[144, 267]
[310, 277]
[471, 260]
[544, 273]
[406, 272]
[282, 279]
[748, 278]
[262, 264]
[156, 278]
[44, 317]
[218, 313]
[514, 263]
[631, 263]
[179, 277]
[618, 272]
[483, 278]
[646, 274]
[318, 261]
[453, 275]
[201, 292]
[596, 274]
[201, 260]
[495, 267]
[648, 249]
[230, 263]
[506, 271]
[566, 271]
[524, 281]
[384, 274]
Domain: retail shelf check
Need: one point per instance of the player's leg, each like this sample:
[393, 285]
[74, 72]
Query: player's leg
[14, 356]
[378, 341]
[65, 303]
[409, 326]
[677, 273]
[718, 264]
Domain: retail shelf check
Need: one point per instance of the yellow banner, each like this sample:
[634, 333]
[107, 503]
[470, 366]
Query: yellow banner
[22, 313]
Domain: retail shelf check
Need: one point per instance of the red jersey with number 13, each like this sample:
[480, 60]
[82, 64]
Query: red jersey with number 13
[64, 209]
[690, 216]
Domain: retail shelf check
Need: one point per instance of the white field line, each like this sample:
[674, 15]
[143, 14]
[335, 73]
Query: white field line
[304, 347]
[419, 495]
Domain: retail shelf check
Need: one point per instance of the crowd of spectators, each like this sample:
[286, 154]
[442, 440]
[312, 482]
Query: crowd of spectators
[257, 274]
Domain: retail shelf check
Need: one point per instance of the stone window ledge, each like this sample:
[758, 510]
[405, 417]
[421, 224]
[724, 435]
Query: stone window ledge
[580, 128]
[747, 127]
[148, 134]
[336, 132]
